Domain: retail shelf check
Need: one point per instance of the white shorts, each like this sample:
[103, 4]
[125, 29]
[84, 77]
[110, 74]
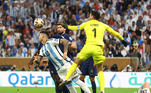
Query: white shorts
[64, 69]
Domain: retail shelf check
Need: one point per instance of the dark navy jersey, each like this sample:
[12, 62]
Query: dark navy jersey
[65, 36]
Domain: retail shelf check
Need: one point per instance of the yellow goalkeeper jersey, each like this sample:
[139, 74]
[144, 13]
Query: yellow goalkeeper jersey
[94, 31]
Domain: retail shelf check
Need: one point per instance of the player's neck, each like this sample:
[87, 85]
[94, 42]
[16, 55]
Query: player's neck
[63, 33]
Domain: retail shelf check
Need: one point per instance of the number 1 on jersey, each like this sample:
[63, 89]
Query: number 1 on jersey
[94, 30]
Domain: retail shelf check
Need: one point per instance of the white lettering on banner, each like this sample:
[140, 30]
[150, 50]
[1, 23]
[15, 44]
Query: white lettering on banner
[112, 79]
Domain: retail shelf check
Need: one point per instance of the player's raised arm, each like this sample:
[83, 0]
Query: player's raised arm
[79, 27]
[65, 44]
[113, 32]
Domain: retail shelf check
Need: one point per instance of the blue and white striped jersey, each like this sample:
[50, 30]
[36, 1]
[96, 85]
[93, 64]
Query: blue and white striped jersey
[52, 51]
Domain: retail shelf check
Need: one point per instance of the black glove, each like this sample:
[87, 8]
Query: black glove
[125, 43]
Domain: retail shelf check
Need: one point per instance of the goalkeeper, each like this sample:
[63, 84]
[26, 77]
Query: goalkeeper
[93, 47]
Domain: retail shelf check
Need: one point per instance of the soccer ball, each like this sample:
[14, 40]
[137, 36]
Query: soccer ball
[38, 22]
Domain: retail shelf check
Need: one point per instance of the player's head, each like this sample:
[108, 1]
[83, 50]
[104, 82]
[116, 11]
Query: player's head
[94, 14]
[61, 29]
[43, 37]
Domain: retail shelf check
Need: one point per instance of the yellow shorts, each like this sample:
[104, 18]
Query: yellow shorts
[95, 51]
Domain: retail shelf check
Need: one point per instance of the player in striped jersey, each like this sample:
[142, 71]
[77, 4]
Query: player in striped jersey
[52, 69]
[59, 59]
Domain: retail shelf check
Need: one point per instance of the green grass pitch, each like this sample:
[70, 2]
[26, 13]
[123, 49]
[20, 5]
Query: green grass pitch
[52, 90]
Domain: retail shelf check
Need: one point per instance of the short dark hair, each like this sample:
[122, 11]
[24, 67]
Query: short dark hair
[95, 14]
[62, 24]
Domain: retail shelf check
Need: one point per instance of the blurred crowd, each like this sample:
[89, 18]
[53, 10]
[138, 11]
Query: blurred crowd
[131, 18]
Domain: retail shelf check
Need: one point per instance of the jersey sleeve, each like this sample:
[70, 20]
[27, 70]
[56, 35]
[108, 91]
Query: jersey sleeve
[54, 41]
[68, 37]
[113, 32]
[79, 27]
[56, 36]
